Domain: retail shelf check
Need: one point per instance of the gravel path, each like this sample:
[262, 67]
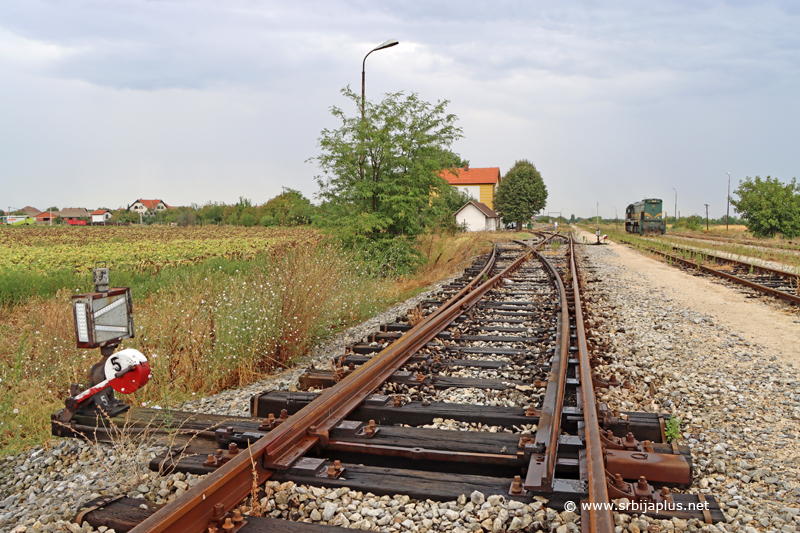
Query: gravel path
[723, 363]
[709, 352]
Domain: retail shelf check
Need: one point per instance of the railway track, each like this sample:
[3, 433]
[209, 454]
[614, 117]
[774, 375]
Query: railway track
[775, 283]
[487, 389]
[788, 246]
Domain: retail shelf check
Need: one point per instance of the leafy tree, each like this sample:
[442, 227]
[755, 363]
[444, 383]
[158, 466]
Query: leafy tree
[212, 212]
[120, 216]
[247, 220]
[290, 208]
[769, 207]
[693, 223]
[379, 171]
[443, 206]
[186, 216]
[521, 193]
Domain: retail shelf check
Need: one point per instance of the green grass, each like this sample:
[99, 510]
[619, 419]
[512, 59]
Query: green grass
[672, 429]
[204, 328]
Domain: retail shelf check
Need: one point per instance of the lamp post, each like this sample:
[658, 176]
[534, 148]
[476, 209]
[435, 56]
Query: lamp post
[706, 217]
[728, 208]
[386, 44]
[676, 205]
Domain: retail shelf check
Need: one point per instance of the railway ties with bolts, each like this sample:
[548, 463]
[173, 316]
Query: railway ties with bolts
[482, 390]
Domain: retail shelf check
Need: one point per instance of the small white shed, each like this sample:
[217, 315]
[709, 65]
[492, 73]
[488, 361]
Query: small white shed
[100, 216]
[476, 216]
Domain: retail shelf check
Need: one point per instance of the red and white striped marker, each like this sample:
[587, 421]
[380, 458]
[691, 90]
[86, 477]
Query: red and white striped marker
[126, 372]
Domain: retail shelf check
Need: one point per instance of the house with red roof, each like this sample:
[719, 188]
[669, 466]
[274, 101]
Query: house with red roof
[46, 217]
[100, 216]
[480, 183]
[477, 216]
[143, 206]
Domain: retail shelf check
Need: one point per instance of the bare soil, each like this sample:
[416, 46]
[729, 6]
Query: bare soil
[759, 320]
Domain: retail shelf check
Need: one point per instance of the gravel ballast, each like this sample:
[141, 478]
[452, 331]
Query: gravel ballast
[737, 396]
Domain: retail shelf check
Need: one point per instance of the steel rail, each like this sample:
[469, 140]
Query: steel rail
[701, 251]
[600, 521]
[541, 469]
[232, 482]
[730, 277]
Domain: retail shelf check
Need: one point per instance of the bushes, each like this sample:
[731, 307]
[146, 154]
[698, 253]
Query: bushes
[204, 328]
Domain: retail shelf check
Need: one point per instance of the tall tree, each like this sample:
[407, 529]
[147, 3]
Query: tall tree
[521, 193]
[769, 207]
[290, 208]
[378, 170]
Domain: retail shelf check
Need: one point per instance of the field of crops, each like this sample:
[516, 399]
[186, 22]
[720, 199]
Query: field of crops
[45, 249]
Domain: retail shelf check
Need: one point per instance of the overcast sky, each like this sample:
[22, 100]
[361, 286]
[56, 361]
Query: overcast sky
[104, 102]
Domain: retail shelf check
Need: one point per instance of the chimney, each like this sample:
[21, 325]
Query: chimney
[466, 168]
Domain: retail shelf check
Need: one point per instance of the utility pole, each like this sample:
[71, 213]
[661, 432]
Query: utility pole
[706, 217]
[728, 209]
[676, 205]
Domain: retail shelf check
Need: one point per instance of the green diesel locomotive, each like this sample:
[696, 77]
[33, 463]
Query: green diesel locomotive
[645, 218]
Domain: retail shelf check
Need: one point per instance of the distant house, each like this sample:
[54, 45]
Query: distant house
[143, 206]
[100, 216]
[477, 216]
[480, 183]
[30, 211]
[45, 217]
[73, 214]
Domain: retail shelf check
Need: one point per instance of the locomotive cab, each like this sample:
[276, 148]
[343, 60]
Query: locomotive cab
[645, 217]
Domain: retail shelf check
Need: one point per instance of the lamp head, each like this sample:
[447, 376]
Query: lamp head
[386, 44]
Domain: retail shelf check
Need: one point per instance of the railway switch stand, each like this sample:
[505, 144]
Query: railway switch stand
[103, 319]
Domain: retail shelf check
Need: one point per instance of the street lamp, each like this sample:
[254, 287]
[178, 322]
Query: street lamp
[728, 209]
[386, 44]
[676, 205]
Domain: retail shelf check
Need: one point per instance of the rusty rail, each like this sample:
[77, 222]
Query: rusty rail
[792, 298]
[599, 521]
[541, 469]
[288, 442]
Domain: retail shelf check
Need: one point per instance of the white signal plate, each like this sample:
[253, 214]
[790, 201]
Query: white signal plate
[110, 317]
[103, 318]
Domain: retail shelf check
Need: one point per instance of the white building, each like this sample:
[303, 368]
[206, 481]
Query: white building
[143, 206]
[476, 216]
[100, 216]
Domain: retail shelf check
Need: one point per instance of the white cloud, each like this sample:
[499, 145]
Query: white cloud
[29, 53]
[209, 100]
